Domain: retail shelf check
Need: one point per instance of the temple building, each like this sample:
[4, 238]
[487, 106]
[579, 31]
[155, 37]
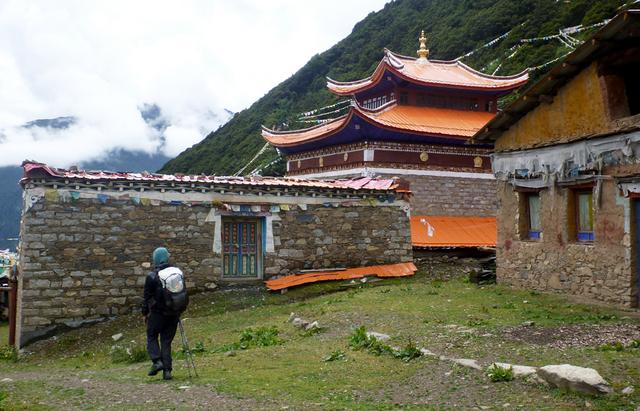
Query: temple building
[411, 118]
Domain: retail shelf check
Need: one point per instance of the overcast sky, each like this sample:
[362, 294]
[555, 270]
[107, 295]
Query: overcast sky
[99, 61]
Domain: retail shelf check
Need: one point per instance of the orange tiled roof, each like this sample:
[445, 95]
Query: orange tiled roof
[388, 270]
[420, 120]
[435, 73]
[447, 231]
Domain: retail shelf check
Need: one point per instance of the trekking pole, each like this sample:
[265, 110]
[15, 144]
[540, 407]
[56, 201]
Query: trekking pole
[187, 351]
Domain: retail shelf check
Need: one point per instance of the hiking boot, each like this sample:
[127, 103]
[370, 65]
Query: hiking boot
[155, 368]
[166, 375]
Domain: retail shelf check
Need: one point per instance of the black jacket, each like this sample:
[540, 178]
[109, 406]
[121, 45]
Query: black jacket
[153, 292]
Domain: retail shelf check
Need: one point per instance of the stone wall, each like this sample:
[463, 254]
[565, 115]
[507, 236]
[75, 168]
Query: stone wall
[603, 270]
[452, 196]
[86, 259]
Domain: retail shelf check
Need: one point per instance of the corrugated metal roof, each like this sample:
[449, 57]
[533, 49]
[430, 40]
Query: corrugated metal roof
[453, 231]
[384, 271]
[34, 170]
[437, 73]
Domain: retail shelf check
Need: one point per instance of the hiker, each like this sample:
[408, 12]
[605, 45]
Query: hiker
[165, 298]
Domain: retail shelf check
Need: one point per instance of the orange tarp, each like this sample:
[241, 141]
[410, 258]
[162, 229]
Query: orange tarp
[389, 270]
[446, 231]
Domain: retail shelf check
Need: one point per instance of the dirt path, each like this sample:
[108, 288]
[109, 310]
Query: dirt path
[88, 389]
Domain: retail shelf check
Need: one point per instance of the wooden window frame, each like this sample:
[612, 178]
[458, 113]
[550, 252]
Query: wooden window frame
[573, 219]
[533, 235]
[524, 227]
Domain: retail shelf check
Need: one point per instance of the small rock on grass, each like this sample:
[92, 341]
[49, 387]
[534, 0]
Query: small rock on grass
[378, 336]
[312, 326]
[6, 380]
[299, 322]
[292, 316]
[466, 362]
[628, 390]
[518, 370]
[117, 337]
[573, 378]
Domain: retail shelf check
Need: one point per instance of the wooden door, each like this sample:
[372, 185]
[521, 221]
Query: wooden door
[241, 248]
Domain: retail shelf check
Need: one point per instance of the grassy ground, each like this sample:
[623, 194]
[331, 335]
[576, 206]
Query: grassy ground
[450, 317]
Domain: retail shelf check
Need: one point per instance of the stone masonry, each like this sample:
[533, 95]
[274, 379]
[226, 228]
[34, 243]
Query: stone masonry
[452, 196]
[603, 270]
[86, 258]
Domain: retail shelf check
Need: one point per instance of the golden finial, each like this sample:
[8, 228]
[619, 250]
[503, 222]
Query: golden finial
[423, 52]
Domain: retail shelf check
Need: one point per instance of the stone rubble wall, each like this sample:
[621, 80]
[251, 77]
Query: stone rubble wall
[452, 196]
[603, 270]
[84, 260]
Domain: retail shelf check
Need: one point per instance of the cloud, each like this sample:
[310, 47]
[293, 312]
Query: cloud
[100, 62]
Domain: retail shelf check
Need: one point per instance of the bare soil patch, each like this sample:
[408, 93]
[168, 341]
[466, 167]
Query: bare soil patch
[575, 335]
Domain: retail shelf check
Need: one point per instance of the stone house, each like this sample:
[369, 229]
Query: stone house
[87, 237]
[567, 162]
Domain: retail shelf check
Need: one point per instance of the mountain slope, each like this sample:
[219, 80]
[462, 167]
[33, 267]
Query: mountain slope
[453, 28]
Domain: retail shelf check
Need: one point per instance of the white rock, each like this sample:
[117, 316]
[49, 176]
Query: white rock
[628, 390]
[211, 286]
[299, 322]
[518, 370]
[378, 336]
[466, 362]
[6, 380]
[573, 378]
[117, 337]
[312, 326]
[291, 317]
[424, 351]
[183, 387]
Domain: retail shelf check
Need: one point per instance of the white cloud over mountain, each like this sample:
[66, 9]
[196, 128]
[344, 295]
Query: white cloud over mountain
[101, 61]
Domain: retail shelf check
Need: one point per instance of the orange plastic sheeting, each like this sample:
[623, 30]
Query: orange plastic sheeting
[388, 270]
[445, 231]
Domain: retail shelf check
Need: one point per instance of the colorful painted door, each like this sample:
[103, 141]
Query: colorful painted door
[240, 247]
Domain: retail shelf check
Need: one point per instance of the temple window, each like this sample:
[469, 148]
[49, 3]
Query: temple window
[404, 98]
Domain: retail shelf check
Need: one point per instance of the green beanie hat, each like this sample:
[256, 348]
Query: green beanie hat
[160, 256]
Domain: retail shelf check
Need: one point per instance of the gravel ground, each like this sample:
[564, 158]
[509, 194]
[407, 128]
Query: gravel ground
[575, 335]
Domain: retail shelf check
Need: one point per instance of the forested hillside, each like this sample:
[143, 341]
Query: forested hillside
[453, 28]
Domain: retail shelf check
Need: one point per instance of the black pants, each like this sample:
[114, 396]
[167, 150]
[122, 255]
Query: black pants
[164, 326]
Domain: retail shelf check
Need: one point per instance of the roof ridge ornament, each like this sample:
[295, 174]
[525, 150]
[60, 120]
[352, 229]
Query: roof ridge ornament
[423, 51]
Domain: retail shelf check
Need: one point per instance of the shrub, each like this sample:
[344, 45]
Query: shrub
[250, 338]
[360, 340]
[497, 373]
[408, 353]
[337, 355]
[128, 354]
[8, 353]
[635, 344]
[260, 337]
[615, 346]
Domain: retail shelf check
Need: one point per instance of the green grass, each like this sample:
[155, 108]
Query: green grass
[286, 367]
